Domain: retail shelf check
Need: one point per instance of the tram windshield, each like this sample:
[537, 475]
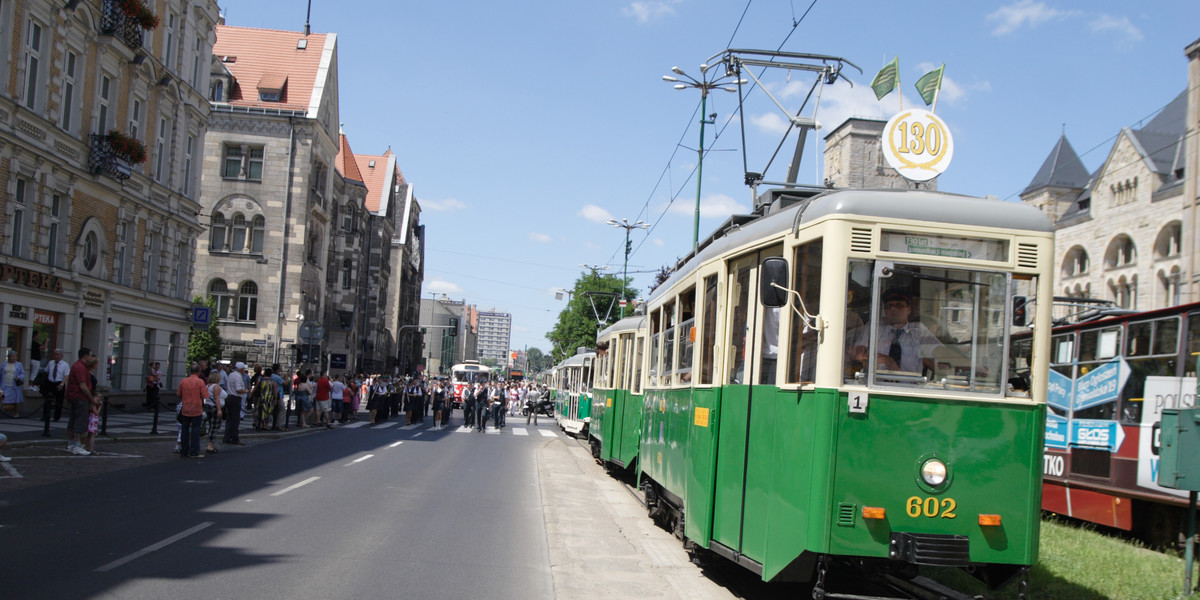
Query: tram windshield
[928, 326]
[470, 374]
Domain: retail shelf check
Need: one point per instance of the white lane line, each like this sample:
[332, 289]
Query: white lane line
[463, 429]
[418, 434]
[396, 444]
[520, 431]
[12, 471]
[294, 486]
[358, 460]
[547, 433]
[386, 425]
[356, 424]
[492, 431]
[153, 547]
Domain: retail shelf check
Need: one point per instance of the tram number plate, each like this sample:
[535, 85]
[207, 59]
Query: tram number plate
[858, 402]
[931, 507]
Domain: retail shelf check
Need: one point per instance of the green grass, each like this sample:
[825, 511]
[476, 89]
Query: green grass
[1077, 562]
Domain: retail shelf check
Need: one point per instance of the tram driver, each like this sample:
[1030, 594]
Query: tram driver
[903, 344]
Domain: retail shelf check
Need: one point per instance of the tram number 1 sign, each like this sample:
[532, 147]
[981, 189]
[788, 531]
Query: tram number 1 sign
[917, 143]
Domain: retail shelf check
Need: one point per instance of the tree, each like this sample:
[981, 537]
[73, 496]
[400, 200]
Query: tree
[577, 323]
[538, 361]
[659, 278]
[490, 363]
[205, 343]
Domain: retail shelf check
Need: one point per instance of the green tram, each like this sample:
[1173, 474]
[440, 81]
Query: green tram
[829, 378]
[572, 392]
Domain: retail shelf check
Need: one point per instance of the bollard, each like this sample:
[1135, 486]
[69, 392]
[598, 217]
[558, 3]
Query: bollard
[46, 416]
[103, 415]
[154, 430]
[1190, 554]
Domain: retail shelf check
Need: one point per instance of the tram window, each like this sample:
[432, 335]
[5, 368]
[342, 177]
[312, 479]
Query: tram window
[708, 336]
[637, 366]
[1193, 342]
[669, 331]
[860, 279]
[1133, 396]
[652, 374]
[802, 342]
[1020, 361]
[1063, 349]
[625, 349]
[738, 331]
[1099, 344]
[687, 337]
[1166, 336]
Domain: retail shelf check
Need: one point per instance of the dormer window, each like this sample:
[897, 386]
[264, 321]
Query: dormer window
[269, 96]
[271, 86]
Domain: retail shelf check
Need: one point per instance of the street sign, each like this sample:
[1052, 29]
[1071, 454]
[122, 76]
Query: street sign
[311, 332]
[337, 361]
[260, 342]
[201, 316]
[287, 340]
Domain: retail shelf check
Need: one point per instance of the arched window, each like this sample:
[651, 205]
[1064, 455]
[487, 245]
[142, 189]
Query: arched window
[347, 270]
[248, 302]
[218, 290]
[216, 240]
[1169, 240]
[1169, 288]
[257, 230]
[239, 233]
[1121, 252]
[348, 218]
[91, 250]
[1075, 262]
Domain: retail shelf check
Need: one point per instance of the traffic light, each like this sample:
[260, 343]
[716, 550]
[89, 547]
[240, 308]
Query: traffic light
[453, 327]
[1018, 310]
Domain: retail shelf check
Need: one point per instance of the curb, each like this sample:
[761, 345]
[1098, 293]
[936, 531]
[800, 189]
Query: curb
[162, 437]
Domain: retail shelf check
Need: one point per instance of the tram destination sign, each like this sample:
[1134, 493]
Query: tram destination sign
[946, 246]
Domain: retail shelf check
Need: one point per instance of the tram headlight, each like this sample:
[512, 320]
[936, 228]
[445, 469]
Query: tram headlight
[933, 472]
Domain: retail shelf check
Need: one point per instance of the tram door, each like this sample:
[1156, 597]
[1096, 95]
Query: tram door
[748, 361]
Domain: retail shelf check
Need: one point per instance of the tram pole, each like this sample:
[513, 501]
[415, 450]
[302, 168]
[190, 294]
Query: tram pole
[628, 227]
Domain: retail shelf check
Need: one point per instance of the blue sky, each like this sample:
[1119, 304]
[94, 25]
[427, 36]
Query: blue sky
[524, 126]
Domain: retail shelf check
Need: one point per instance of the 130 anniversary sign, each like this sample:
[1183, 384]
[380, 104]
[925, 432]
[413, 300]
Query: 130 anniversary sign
[917, 143]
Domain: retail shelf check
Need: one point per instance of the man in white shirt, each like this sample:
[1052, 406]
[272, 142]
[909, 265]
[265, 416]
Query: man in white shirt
[237, 385]
[902, 344]
[57, 371]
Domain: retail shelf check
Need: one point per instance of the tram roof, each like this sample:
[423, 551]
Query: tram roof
[785, 209]
[629, 323]
[575, 361]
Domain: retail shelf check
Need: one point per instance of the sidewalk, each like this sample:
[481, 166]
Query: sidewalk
[602, 544]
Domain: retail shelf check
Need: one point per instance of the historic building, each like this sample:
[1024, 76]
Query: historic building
[104, 111]
[1191, 182]
[386, 197]
[408, 258]
[1119, 229]
[854, 158]
[270, 194]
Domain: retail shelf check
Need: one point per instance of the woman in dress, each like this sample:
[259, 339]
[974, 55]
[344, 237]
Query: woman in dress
[12, 378]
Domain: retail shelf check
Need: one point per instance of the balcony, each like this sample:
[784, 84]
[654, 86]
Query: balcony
[108, 157]
[125, 20]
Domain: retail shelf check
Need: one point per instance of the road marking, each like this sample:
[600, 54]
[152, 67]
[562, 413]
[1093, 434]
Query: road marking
[153, 547]
[12, 471]
[463, 429]
[356, 424]
[520, 431]
[358, 460]
[294, 486]
[547, 433]
[89, 458]
[386, 425]
[396, 444]
[418, 434]
[492, 431]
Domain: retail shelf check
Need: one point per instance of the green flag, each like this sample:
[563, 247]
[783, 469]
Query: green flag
[929, 84]
[887, 79]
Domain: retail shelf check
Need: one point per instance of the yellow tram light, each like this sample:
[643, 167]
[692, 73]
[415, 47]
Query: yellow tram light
[989, 520]
[874, 512]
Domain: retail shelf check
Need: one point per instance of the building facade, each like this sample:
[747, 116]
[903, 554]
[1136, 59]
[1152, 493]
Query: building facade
[495, 335]
[447, 333]
[104, 121]
[385, 184]
[408, 259]
[1191, 183]
[1119, 230]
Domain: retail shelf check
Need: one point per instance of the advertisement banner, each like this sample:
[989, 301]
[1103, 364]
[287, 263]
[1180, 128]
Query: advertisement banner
[1159, 393]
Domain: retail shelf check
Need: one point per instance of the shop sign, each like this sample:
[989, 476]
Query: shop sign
[45, 318]
[93, 298]
[31, 279]
[18, 313]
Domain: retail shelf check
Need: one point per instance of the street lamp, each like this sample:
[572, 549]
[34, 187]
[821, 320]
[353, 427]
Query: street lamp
[628, 227]
[595, 269]
[704, 84]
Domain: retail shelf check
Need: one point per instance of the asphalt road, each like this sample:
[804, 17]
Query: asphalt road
[355, 513]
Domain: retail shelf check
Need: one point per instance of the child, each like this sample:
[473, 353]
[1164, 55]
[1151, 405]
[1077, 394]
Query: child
[93, 426]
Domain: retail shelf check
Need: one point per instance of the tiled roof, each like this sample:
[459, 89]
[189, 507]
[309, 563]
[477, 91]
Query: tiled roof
[348, 168]
[1062, 168]
[377, 172]
[266, 56]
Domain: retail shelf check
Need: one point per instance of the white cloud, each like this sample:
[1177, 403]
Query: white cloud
[447, 204]
[1025, 12]
[953, 92]
[716, 206]
[1122, 27]
[595, 214]
[542, 238]
[658, 242]
[443, 287]
[644, 12]
[771, 122]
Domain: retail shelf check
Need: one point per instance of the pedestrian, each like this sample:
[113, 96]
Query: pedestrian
[153, 383]
[532, 399]
[278, 389]
[481, 407]
[497, 396]
[12, 378]
[302, 395]
[192, 392]
[56, 372]
[213, 407]
[79, 397]
[236, 387]
[468, 401]
[436, 393]
[376, 410]
[324, 400]
[337, 400]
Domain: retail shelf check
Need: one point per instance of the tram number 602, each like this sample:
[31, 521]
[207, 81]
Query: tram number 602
[924, 139]
[932, 507]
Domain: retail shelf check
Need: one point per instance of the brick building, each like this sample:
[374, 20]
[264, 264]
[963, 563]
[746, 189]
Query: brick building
[102, 124]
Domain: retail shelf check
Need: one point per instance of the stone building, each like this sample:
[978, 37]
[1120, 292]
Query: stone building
[408, 258]
[449, 339]
[103, 118]
[1191, 189]
[386, 196]
[854, 158]
[1119, 229]
[269, 193]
